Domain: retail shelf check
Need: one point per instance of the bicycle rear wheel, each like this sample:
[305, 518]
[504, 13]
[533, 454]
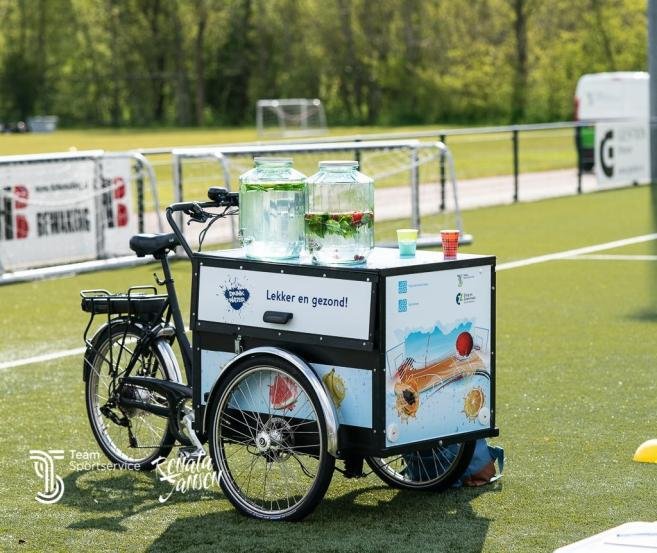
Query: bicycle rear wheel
[130, 437]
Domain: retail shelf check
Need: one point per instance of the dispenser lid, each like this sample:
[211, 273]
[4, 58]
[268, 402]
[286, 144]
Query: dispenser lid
[338, 163]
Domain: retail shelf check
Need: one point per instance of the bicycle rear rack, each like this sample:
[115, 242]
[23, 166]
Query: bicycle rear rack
[144, 307]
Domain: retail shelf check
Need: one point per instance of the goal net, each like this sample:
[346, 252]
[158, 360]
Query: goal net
[290, 117]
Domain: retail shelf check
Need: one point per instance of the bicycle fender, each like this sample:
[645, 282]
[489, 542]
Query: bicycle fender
[162, 345]
[327, 407]
[92, 344]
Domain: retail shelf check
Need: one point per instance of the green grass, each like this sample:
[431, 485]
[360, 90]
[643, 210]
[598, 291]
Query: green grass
[130, 139]
[575, 395]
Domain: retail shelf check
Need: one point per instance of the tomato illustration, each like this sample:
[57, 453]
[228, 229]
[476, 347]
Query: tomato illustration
[464, 344]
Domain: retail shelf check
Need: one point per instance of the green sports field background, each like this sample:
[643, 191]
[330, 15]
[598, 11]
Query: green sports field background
[576, 394]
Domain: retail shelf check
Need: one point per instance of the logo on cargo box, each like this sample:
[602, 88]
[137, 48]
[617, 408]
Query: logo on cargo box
[462, 277]
[236, 295]
[464, 297]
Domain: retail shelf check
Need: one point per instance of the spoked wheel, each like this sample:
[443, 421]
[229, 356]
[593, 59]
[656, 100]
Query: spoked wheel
[430, 469]
[130, 437]
[268, 440]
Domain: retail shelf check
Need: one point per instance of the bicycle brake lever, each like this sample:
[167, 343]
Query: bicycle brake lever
[196, 214]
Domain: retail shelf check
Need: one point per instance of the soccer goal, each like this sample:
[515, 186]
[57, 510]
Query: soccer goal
[408, 175]
[290, 117]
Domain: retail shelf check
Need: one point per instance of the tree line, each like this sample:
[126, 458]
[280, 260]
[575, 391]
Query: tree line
[387, 62]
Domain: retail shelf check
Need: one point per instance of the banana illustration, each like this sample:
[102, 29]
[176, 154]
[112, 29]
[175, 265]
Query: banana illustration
[335, 386]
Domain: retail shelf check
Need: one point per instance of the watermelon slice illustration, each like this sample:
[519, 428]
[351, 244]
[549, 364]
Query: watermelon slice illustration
[283, 393]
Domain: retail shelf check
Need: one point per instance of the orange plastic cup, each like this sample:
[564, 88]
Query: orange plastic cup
[450, 239]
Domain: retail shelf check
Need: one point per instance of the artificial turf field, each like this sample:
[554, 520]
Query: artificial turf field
[576, 393]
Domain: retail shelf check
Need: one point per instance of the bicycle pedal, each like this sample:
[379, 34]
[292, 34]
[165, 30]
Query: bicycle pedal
[191, 453]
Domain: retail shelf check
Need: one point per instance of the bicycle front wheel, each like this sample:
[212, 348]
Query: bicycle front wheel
[268, 440]
[130, 437]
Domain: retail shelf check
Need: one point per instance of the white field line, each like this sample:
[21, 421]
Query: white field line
[613, 257]
[46, 357]
[577, 251]
[502, 267]
[41, 358]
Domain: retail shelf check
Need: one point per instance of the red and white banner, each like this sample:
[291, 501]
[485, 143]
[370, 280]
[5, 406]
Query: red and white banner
[51, 211]
[116, 205]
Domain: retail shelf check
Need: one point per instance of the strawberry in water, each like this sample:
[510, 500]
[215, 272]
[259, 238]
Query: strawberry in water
[357, 217]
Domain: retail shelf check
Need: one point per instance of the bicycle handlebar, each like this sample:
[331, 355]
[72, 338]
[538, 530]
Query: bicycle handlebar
[188, 206]
[196, 211]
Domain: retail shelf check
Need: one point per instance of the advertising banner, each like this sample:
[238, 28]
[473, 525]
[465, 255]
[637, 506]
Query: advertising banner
[622, 153]
[47, 213]
[116, 205]
[438, 340]
[324, 306]
[64, 210]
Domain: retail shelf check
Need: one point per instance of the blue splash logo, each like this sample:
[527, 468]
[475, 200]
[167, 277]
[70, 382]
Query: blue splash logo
[236, 295]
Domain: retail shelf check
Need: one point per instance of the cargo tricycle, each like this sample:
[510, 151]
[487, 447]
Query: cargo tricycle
[295, 369]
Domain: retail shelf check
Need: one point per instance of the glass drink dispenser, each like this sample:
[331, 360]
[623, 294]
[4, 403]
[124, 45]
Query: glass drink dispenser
[272, 203]
[339, 214]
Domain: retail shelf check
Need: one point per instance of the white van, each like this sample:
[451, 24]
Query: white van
[621, 94]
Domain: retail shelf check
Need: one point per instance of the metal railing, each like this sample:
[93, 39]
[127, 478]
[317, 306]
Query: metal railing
[517, 135]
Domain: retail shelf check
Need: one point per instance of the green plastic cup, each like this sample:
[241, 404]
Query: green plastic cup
[407, 242]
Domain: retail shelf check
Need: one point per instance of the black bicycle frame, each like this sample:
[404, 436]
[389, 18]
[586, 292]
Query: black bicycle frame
[179, 326]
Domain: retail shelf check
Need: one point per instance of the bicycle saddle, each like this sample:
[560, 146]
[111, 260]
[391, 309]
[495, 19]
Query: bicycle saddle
[153, 244]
